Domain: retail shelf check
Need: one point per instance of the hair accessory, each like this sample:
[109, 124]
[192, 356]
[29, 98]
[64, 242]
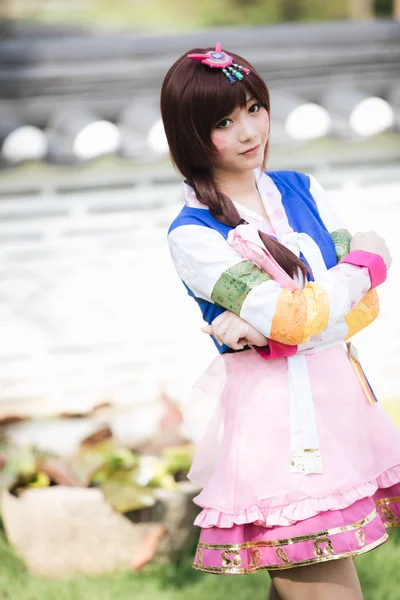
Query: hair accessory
[217, 59]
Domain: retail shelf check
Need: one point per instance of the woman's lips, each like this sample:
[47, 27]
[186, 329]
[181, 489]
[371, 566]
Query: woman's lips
[253, 150]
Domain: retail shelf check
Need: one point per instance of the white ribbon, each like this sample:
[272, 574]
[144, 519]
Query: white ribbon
[304, 441]
[304, 244]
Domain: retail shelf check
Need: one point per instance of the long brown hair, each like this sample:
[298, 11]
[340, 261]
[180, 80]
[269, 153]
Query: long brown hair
[193, 99]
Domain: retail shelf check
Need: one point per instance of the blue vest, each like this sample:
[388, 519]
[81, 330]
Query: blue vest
[303, 216]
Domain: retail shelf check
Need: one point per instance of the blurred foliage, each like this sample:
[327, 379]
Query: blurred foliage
[183, 15]
[122, 491]
[127, 480]
[383, 8]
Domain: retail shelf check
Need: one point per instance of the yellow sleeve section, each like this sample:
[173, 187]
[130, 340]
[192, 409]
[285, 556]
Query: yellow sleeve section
[300, 315]
[363, 314]
[317, 310]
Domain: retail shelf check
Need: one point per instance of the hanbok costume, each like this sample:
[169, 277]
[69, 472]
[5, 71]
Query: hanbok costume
[297, 462]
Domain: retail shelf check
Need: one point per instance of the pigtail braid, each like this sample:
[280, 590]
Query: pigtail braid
[221, 207]
[223, 210]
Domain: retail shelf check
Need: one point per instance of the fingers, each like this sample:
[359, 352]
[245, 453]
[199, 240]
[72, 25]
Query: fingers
[232, 339]
[234, 332]
[371, 241]
[219, 340]
[207, 329]
[225, 328]
[211, 330]
[227, 333]
[221, 332]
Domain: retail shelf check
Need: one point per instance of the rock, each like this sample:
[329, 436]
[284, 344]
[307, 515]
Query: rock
[176, 510]
[62, 531]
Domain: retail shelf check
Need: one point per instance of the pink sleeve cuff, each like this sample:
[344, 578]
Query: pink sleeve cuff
[374, 263]
[275, 350]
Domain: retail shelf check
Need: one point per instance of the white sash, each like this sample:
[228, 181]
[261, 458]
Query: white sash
[304, 441]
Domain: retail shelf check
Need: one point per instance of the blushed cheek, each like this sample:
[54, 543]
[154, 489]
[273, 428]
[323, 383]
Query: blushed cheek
[220, 144]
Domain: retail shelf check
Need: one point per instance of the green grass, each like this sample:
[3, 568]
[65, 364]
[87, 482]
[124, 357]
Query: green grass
[378, 570]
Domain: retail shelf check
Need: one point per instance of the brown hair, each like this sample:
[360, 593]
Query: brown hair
[194, 98]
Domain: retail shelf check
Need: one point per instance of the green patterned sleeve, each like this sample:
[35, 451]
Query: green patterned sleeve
[232, 288]
[341, 239]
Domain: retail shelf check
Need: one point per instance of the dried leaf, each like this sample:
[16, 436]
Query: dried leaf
[11, 419]
[21, 461]
[99, 436]
[40, 481]
[124, 494]
[7, 480]
[172, 416]
[178, 459]
[59, 472]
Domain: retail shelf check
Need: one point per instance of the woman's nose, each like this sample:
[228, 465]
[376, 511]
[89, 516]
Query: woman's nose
[247, 129]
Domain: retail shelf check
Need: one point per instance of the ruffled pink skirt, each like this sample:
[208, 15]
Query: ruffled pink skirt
[257, 514]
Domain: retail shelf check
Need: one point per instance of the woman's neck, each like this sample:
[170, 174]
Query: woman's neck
[237, 186]
[242, 189]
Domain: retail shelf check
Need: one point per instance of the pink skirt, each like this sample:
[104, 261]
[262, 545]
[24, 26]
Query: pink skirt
[257, 514]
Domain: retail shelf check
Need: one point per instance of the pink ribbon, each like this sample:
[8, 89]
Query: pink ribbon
[245, 239]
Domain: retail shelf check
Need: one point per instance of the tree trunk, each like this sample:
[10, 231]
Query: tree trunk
[18, 9]
[361, 10]
[7, 8]
[291, 10]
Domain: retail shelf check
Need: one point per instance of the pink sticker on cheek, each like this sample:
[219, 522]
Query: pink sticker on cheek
[220, 144]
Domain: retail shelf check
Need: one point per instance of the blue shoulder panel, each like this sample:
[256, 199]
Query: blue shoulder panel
[302, 211]
[199, 216]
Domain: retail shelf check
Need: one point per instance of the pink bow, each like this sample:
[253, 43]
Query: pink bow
[245, 239]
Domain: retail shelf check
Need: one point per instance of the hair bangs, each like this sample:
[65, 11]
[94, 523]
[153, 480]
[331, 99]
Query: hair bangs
[215, 97]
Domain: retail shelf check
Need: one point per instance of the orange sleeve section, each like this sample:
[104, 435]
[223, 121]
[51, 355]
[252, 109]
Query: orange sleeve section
[363, 314]
[317, 310]
[300, 315]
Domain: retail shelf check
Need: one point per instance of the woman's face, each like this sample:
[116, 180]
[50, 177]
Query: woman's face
[241, 137]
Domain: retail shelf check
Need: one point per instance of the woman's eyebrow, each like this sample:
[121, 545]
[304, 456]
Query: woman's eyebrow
[250, 99]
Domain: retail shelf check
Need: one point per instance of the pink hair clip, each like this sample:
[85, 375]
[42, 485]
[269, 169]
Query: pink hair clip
[217, 59]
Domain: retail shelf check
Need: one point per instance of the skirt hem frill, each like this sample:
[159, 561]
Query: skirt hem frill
[299, 509]
[329, 535]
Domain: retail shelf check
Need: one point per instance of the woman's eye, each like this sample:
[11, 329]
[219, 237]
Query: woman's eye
[223, 124]
[254, 108]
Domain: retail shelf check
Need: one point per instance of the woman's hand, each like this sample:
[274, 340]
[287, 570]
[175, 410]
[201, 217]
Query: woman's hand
[231, 330]
[371, 242]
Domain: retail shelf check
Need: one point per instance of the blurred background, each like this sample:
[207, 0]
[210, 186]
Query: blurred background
[99, 343]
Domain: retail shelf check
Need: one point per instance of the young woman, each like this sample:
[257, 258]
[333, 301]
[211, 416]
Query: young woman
[298, 463]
